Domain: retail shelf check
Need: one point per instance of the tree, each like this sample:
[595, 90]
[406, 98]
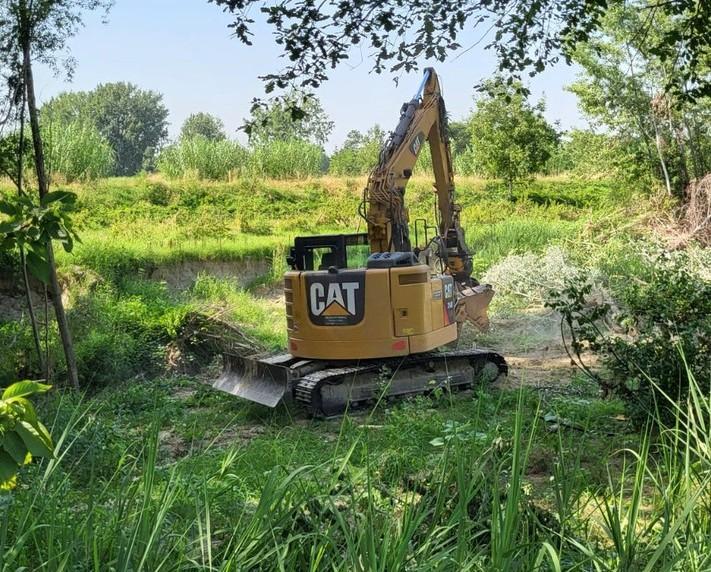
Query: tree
[39, 30]
[529, 36]
[623, 90]
[203, 125]
[460, 137]
[134, 121]
[359, 152]
[510, 138]
[590, 155]
[298, 116]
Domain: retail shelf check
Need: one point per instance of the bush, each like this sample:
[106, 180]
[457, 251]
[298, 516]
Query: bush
[524, 279]
[120, 334]
[664, 312]
[158, 194]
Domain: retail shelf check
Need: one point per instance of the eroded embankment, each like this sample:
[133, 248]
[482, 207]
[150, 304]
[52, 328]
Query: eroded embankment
[179, 276]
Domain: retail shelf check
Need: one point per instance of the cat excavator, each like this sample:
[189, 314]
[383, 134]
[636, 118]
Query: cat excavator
[370, 315]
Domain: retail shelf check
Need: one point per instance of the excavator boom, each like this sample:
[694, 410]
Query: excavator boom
[423, 120]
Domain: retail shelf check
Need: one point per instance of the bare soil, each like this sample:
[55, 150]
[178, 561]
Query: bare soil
[182, 275]
[531, 342]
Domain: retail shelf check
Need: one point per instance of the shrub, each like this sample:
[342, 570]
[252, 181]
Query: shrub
[664, 311]
[523, 279]
[18, 358]
[158, 194]
[122, 333]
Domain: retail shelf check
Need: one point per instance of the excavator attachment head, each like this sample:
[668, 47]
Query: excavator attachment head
[254, 378]
[473, 304]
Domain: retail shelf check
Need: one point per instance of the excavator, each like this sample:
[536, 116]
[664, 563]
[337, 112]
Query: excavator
[370, 315]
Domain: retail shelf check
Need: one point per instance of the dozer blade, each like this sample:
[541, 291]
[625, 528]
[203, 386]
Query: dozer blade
[473, 304]
[254, 378]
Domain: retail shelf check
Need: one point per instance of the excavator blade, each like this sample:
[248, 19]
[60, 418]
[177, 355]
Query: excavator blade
[473, 305]
[254, 378]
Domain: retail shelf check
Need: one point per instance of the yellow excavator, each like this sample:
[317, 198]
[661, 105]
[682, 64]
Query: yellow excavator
[369, 314]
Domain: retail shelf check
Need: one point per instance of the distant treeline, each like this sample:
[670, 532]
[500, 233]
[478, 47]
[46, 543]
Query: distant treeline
[119, 129]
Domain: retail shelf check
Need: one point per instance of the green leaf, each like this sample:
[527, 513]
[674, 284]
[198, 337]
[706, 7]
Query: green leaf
[8, 468]
[66, 197]
[9, 226]
[24, 389]
[25, 409]
[8, 208]
[36, 438]
[68, 243]
[15, 447]
[38, 266]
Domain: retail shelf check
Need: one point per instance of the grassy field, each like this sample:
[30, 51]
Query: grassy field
[156, 471]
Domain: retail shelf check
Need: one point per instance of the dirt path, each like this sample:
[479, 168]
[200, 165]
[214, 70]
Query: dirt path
[531, 342]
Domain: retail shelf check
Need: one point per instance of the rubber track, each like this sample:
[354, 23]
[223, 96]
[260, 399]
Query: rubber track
[307, 390]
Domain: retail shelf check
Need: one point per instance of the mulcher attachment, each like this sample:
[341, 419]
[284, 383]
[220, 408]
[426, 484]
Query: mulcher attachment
[329, 388]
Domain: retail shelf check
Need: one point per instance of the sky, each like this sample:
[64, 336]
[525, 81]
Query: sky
[184, 50]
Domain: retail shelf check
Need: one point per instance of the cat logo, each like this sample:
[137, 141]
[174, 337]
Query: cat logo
[416, 143]
[336, 299]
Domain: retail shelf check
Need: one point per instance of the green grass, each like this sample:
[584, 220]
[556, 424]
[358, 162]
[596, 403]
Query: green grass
[167, 475]
[156, 471]
[133, 223]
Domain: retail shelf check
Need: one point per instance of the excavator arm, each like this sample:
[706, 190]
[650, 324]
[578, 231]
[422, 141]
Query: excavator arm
[422, 119]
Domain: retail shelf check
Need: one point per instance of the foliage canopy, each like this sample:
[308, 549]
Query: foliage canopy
[528, 36]
[133, 120]
[204, 125]
[510, 138]
[297, 116]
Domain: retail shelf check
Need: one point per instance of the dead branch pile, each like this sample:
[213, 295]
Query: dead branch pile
[696, 212]
[202, 337]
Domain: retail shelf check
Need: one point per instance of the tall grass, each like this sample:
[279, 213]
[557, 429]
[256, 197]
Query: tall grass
[469, 510]
[287, 159]
[76, 151]
[203, 158]
[224, 160]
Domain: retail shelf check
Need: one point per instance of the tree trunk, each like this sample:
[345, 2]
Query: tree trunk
[658, 142]
[31, 310]
[697, 157]
[23, 260]
[43, 185]
[683, 168]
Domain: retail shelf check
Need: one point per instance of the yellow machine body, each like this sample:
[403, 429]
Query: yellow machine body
[368, 313]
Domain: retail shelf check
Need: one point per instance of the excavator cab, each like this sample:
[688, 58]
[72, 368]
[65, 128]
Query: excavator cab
[325, 251]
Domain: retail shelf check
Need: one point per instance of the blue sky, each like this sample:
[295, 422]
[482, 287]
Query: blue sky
[183, 49]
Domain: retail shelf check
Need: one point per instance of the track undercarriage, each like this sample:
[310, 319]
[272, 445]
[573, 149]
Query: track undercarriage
[328, 388]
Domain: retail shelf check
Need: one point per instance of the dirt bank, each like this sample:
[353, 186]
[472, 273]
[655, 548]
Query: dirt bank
[182, 275]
